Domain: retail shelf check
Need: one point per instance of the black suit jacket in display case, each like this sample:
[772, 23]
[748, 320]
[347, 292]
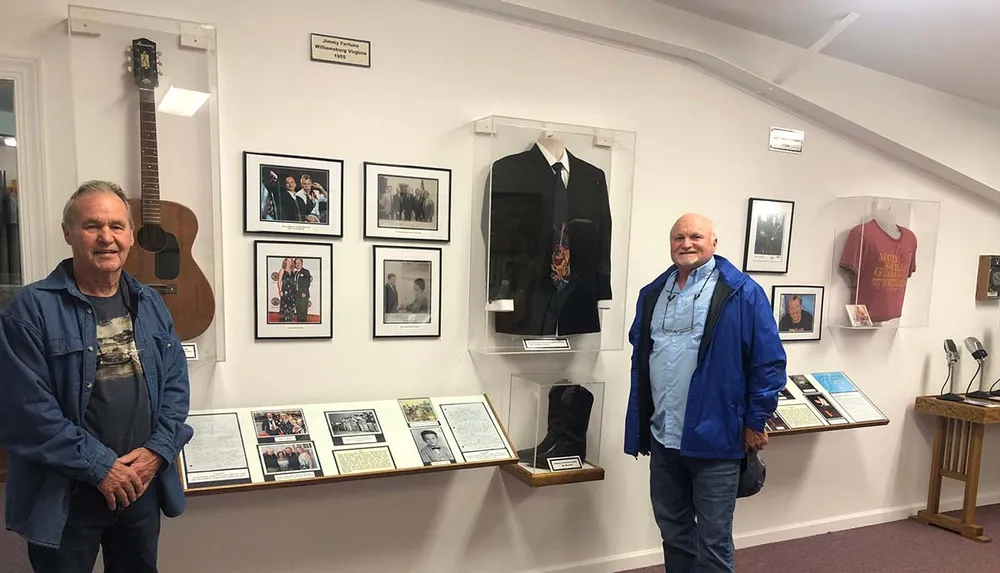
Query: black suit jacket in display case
[520, 203]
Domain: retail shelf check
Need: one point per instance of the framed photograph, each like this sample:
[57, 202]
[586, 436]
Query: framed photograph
[804, 384]
[769, 236]
[280, 426]
[407, 297]
[798, 310]
[418, 411]
[293, 194]
[432, 446]
[407, 202]
[297, 459]
[293, 290]
[858, 315]
[352, 427]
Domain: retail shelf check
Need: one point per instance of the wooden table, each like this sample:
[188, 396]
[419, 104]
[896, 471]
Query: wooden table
[957, 454]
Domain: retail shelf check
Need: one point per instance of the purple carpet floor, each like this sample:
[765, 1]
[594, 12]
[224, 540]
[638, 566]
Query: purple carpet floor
[898, 547]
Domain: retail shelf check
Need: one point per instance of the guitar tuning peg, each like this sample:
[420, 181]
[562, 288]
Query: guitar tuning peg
[159, 53]
[159, 72]
[130, 68]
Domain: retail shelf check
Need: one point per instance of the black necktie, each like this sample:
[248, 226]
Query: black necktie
[560, 249]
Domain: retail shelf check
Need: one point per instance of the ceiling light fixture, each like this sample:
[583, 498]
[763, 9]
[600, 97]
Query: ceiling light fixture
[179, 101]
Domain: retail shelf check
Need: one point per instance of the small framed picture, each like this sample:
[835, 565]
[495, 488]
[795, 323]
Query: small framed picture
[798, 310]
[293, 290]
[418, 412]
[280, 425]
[432, 446]
[407, 202]
[407, 297]
[352, 427]
[293, 194]
[769, 236]
[858, 315]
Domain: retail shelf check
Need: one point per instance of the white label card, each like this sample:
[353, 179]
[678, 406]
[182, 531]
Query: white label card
[546, 344]
[564, 464]
[347, 51]
[190, 350]
[787, 140]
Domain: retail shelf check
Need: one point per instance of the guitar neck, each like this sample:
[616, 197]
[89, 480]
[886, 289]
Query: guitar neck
[150, 179]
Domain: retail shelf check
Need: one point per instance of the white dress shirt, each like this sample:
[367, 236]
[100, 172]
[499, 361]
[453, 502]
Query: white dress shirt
[552, 161]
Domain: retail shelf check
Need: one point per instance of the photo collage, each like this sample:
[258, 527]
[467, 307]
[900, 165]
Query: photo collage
[303, 196]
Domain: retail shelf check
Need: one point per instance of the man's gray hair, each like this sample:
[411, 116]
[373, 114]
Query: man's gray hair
[95, 185]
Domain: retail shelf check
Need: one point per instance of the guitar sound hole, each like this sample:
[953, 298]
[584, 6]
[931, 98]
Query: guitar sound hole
[152, 238]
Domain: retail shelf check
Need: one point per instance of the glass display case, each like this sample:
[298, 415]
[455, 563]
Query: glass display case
[883, 262]
[145, 114]
[555, 422]
[551, 210]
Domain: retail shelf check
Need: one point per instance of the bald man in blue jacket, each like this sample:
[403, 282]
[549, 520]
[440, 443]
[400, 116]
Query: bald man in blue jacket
[707, 367]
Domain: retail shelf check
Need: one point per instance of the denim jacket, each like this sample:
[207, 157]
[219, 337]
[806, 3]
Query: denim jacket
[48, 360]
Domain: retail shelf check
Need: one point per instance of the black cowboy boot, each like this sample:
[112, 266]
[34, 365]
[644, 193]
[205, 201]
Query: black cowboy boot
[576, 404]
[554, 423]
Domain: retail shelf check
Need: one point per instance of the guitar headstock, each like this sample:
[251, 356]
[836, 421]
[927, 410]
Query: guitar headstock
[144, 63]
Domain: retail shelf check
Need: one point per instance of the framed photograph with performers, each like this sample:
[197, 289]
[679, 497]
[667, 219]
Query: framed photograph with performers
[293, 194]
[407, 202]
[407, 292]
[293, 290]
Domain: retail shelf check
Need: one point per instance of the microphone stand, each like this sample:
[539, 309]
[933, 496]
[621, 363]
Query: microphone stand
[950, 396]
[978, 393]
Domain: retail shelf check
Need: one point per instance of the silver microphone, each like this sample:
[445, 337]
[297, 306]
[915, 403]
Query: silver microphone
[975, 348]
[951, 351]
[979, 353]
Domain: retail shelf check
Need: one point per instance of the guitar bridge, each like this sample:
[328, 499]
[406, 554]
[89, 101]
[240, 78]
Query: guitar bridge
[164, 288]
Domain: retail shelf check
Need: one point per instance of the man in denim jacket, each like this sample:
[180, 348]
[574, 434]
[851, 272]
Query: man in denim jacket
[93, 401]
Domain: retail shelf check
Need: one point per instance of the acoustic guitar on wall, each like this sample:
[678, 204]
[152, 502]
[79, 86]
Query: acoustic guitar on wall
[165, 231]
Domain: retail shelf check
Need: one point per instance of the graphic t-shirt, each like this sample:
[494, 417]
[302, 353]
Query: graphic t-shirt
[118, 413]
[882, 266]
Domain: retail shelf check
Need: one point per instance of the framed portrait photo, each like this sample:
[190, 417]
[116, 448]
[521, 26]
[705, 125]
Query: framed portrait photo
[293, 194]
[769, 236]
[293, 290]
[798, 310]
[407, 202]
[407, 297]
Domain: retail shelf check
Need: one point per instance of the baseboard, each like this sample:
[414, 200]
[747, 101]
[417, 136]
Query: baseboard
[610, 564]
[850, 521]
[650, 557]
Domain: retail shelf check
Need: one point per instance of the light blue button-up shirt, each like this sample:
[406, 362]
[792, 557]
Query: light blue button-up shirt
[676, 328]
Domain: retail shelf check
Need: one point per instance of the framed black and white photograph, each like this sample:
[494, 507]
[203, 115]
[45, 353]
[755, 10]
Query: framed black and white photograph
[769, 236]
[293, 290]
[283, 461]
[293, 194]
[804, 384]
[798, 310]
[432, 446]
[407, 296]
[353, 427]
[407, 202]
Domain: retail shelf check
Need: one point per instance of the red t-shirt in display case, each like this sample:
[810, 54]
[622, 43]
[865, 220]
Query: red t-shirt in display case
[882, 265]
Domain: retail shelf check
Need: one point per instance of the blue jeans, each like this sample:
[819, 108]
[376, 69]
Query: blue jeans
[693, 503]
[128, 536]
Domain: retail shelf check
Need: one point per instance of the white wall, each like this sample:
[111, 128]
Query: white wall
[956, 132]
[700, 148]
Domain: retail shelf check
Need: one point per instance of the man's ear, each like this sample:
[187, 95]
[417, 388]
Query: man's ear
[65, 231]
